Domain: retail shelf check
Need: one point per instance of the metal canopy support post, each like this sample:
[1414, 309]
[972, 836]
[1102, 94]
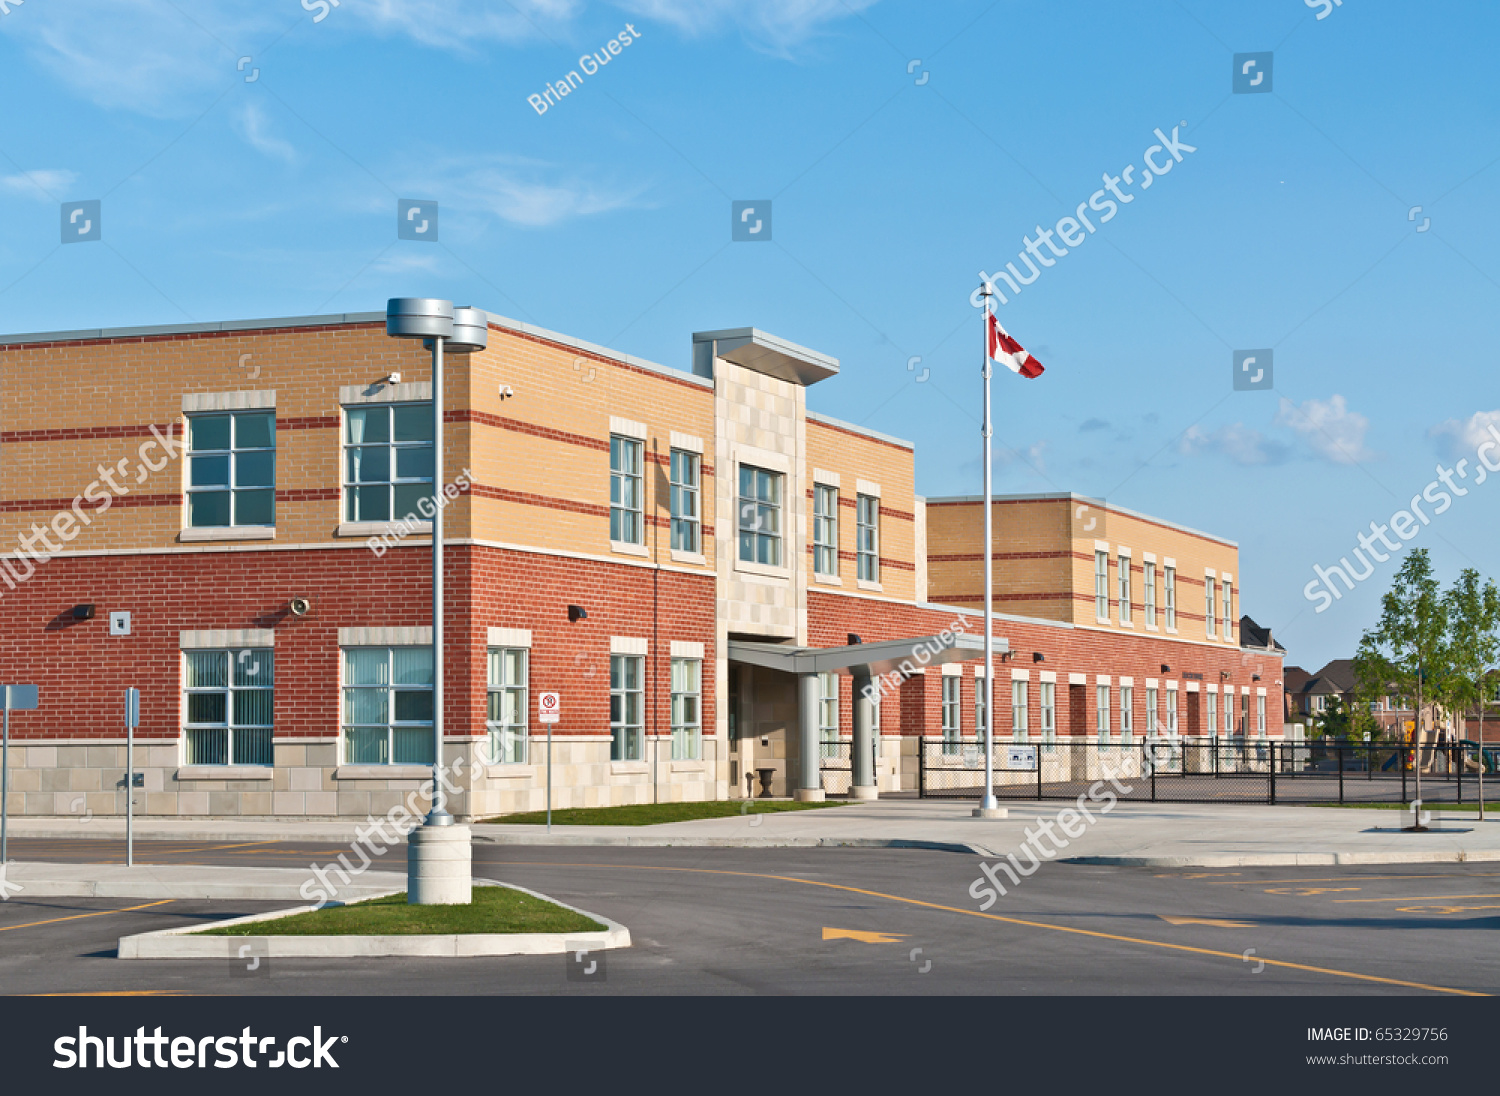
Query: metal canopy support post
[810, 776]
[862, 761]
[5, 789]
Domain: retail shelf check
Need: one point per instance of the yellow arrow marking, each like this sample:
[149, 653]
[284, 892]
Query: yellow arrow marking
[1443, 909]
[860, 934]
[1206, 921]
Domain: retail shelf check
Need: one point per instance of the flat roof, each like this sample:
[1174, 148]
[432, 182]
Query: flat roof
[769, 354]
[1069, 496]
[855, 428]
[333, 319]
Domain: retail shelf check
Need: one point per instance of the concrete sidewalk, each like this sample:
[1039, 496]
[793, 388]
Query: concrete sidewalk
[1145, 834]
[41, 880]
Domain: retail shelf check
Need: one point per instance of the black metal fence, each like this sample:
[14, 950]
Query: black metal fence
[1203, 770]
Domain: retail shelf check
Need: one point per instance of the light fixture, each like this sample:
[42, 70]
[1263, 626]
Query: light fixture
[1255, 677]
[83, 612]
[440, 326]
[1037, 656]
[1165, 668]
[299, 606]
[1223, 675]
[1006, 656]
[506, 391]
[393, 378]
[854, 640]
[577, 613]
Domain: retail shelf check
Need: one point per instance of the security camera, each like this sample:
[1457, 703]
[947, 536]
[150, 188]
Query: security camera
[506, 391]
[299, 606]
[393, 378]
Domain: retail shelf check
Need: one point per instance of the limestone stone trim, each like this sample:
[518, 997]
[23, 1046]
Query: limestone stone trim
[228, 401]
[226, 772]
[1078, 679]
[1049, 676]
[1103, 679]
[684, 648]
[625, 547]
[362, 529]
[509, 637]
[628, 428]
[1130, 681]
[689, 442]
[382, 772]
[420, 636]
[1151, 683]
[380, 392]
[1190, 686]
[1020, 675]
[228, 532]
[689, 557]
[827, 479]
[953, 669]
[866, 487]
[190, 640]
[629, 645]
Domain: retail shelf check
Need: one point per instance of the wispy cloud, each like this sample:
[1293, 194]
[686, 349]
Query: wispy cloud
[1089, 425]
[1328, 428]
[527, 193]
[459, 24]
[252, 124]
[1237, 442]
[41, 184]
[1457, 438]
[774, 26]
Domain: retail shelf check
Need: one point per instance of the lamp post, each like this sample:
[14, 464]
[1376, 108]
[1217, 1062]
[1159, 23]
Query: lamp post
[437, 869]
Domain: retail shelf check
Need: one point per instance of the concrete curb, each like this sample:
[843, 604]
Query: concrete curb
[664, 841]
[192, 889]
[188, 943]
[1291, 859]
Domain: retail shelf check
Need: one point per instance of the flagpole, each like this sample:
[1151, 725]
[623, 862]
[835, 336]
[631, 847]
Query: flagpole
[989, 807]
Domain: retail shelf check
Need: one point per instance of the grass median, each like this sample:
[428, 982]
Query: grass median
[653, 814]
[493, 910]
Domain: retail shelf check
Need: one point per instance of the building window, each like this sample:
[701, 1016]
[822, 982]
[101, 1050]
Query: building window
[951, 686]
[687, 709]
[1244, 714]
[1153, 723]
[1101, 585]
[625, 495]
[508, 705]
[1127, 717]
[687, 516]
[229, 699]
[1208, 605]
[232, 469]
[1228, 711]
[1169, 597]
[1260, 716]
[1018, 710]
[1148, 593]
[1228, 609]
[1213, 714]
[1124, 589]
[867, 537]
[828, 715]
[981, 711]
[1172, 713]
[388, 463]
[1047, 699]
[760, 516]
[388, 706]
[825, 530]
[627, 708]
[1101, 712]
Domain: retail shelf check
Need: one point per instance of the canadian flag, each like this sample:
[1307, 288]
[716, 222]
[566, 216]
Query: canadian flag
[1010, 353]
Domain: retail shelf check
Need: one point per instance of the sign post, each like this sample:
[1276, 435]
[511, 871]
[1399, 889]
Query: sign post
[548, 708]
[132, 719]
[22, 698]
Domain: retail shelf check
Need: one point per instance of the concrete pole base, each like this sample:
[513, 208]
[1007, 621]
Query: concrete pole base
[439, 866]
[991, 812]
[861, 792]
[808, 795]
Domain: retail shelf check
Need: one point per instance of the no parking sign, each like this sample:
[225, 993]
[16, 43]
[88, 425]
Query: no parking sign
[548, 707]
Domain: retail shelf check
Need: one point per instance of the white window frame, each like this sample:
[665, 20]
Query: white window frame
[1148, 593]
[1124, 581]
[1101, 712]
[393, 482]
[627, 738]
[1172, 713]
[231, 456]
[1211, 706]
[1210, 606]
[627, 523]
[508, 740]
[1260, 714]
[828, 715]
[1019, 728]
[685, 475]
[1169, 597]
[760, 518]
[867, 537]
[1153, 716]
[951, 706]
[262, 658]
[687, 710]
[980, 710]
[392, 689]
[1227, 586]
[1101, 585]
[826, 530]
[1127, 713]
[1229, 712]
[1047, 709]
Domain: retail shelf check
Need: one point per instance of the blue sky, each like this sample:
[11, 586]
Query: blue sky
[1291, 226]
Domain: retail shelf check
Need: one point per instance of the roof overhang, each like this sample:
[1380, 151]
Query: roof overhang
[875, 658]
[767, 354]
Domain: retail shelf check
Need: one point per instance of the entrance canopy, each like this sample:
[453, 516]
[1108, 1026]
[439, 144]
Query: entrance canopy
[884, 657]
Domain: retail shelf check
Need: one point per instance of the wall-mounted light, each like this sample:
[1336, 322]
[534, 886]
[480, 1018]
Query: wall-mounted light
[1037, 656]
[1006, 656]
[393, 378]
[299, 606]
[1165, 668]
[506, 391]
[1223, 675]
[577, 613]
[854, 640]
[83, 612]
[1255, 677]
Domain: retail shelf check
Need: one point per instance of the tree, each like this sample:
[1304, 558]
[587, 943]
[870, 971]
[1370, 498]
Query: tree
[1334, 721]
[1408, 649]
[1474, 645]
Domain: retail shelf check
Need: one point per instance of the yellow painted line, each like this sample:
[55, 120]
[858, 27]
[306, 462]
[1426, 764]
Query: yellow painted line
[1343, 878]
[1419, 898]
[76, 916]
[862, 935]
[1207, 921]
[113, 993]
[1443, 910]
[1238, 958]
[1309, 892]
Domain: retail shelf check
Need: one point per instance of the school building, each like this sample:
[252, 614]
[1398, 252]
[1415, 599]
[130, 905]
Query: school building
[232, 517]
